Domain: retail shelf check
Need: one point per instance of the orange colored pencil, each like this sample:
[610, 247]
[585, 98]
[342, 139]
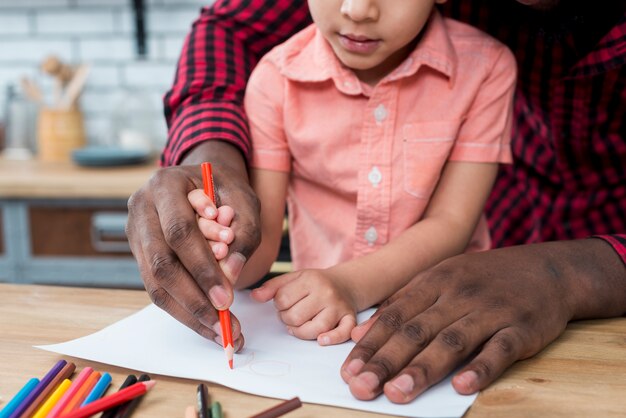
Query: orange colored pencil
[81, 393]
[224, 315]
[117, 398]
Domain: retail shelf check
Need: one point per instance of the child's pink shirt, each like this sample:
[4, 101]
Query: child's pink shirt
[364, 161]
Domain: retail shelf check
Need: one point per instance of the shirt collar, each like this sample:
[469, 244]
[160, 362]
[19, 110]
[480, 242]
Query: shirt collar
[311, 59]
[609, 53]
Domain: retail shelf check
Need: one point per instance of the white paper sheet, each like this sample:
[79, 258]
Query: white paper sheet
[273, 363]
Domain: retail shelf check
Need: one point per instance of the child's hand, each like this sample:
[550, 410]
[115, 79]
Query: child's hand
[213, 222]
[312, 305]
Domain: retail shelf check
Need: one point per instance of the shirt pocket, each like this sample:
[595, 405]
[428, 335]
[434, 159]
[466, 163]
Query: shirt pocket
[426, 147]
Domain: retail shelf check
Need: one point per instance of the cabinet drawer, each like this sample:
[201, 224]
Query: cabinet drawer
[78, 231]
[2, 244]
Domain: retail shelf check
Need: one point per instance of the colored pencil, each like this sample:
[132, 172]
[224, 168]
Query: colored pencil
[53, 399]
[65, 373]
[33, 394]
[81, 393]
[76, 384]
[126, 410]
[112, 400]
[224, 315]
[190, 412]
[280, 409]
[99, 389]
[204, 403]
[131, 379]
[19, 397]
[216, 410]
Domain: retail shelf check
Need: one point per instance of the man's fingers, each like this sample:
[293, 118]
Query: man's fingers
[232, 265]
[182, 235]
[408, 340]
[390, 319]
[450, 347]
[500, 352]
[168, 303]
[340, 334]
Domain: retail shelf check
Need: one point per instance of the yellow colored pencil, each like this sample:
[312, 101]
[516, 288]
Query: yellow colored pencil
[53, 399]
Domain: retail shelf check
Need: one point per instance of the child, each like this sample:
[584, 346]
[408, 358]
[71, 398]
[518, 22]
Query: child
[381, 126]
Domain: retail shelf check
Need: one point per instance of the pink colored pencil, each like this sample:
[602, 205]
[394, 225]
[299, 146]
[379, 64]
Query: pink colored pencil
[82, 392]
[76, 384]
[112, 400]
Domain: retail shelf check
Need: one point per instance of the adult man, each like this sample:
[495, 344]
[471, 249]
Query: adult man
[568, 182]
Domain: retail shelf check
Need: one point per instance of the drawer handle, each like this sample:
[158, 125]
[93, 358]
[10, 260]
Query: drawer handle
[108, 233]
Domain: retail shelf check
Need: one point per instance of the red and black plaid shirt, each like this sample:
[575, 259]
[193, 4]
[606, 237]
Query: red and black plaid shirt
[568, 179]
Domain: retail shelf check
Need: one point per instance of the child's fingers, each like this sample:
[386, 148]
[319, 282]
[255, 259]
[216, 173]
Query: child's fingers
[220, 250]
[339, 334]
[271, 287]
[201, 203]
[323, 322]
[302, 312]
[225, 215]
[213, 231]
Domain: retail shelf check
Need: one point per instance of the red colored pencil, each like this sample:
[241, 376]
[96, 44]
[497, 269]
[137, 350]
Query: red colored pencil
[227, 329]
[112, 400]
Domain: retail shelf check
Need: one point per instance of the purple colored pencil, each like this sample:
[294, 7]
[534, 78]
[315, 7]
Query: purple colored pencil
[23, 406]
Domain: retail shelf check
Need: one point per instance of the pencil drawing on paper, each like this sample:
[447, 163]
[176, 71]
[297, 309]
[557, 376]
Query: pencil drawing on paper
[267, 368]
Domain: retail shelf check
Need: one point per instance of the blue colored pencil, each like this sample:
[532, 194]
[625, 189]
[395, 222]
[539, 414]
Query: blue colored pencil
[98, 389]
[45, 381]
[19, 397]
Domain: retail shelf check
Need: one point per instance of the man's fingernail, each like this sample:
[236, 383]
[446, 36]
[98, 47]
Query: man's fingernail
[232, 266]
[354, 367]
[468, 379]
[210, 212]
[369, 380]
[218, 296]
[404, 384]
[217, 328]
[224, 234]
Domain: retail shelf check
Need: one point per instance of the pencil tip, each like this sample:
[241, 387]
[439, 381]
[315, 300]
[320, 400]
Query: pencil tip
[149, 384]
[230, 364]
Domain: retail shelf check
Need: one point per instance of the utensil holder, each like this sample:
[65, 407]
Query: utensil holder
[59, 132]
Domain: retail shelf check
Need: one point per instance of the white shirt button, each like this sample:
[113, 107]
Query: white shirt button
[380, 113]
[371, 235]
[375, 176]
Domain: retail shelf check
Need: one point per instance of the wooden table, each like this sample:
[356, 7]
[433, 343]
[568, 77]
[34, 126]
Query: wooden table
[582, 374]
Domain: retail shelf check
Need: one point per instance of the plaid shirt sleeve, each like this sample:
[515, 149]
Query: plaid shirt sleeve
[225, 43]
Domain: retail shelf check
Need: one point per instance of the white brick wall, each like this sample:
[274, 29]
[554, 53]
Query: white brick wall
[99, 32]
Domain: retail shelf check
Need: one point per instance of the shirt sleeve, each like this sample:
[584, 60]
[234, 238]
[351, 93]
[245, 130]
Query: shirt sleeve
[225, 43]
[618, 242]
[264, 106]
[485, 134]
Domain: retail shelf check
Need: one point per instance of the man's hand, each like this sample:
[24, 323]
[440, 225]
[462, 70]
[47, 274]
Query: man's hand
[494, 307]
[176, 264]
